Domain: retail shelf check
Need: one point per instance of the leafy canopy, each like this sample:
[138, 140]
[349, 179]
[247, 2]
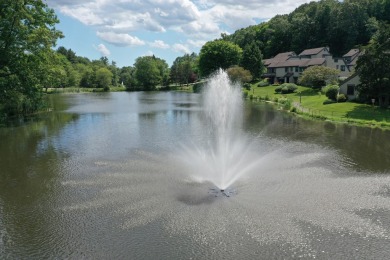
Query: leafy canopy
[373, 66]
[218, 54]
[27, 34]
[319, 76]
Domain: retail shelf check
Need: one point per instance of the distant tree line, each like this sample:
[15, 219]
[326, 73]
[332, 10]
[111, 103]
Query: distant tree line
[339, 25]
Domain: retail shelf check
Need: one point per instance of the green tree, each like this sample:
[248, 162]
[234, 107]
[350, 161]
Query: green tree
[127, 78]
[239, 74]
[252, 60]
[373, 68]
[319, 76]
[27, 33]
[183, 70]
[104, 78]
[147, 72]
[218, 54]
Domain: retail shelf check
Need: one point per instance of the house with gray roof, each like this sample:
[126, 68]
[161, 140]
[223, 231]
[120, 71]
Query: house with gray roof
[287, 67]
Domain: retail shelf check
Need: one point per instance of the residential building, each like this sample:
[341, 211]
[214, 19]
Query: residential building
[287, 67]
[348, 86]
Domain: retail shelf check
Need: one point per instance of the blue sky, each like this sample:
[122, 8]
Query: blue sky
[124, 30]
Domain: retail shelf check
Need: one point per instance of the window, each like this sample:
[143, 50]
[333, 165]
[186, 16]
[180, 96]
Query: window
[296, 69]
[337, 66]
[342, 67]
[286, 69]
[350, 90]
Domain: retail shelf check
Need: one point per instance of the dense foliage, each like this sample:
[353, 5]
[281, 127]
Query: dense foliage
[218, 54]
[252, 60]
[184, 69]
[239, 74]
[27, 33]
[374, 68]
[150, 72]
[340, 25]
[331, 92]
[319, 76]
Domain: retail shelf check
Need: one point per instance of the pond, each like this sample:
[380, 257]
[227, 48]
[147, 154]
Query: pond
[102, 177]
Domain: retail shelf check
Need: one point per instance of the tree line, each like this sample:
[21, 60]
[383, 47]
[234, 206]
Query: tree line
[335, 24]
[29, 64]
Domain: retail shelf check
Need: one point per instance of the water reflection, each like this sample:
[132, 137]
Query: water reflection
[99, 177]
[364, 149]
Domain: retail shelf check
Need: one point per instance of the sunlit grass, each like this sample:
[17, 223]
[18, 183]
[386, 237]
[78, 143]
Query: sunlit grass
[311, 102]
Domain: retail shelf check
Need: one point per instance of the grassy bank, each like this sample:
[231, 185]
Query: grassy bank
[308, 102]
[82, 90]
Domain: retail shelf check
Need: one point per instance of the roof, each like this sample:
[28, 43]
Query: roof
[349, 78]
[284, 55]
[297, 63]
[311, 51]
[351, 53]
[316, 61]
[279, 58]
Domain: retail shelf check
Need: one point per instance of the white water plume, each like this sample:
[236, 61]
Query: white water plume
[225, 156]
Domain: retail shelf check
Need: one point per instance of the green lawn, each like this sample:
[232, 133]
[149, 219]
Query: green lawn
[310, 102]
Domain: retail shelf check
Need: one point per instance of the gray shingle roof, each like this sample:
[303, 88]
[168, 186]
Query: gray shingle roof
[311, 51]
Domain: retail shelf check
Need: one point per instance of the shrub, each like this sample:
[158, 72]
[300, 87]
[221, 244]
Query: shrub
[341, 98]
[286, 103]
[288, 88]
[331, 91]
[263, 83]
[245, 94]
[278, 89]
[247, 86]
[284, 89]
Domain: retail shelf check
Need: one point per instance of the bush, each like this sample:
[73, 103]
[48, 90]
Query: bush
[247, 86]
[284, 89]
[331, 91]
[278, 89]
[287, 88]
[245, 94]
[263, 83]
[341, 98]
[286, 103]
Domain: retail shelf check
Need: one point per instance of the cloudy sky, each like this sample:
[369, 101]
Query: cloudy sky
[123, 30]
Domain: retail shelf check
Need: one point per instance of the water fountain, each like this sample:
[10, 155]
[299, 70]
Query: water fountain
[225, 156]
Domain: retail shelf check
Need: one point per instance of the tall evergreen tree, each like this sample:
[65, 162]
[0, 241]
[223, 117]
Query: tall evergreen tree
[373, 68]
[252, 60]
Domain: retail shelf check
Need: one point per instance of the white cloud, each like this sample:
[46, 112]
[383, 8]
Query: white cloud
[103, 50]
[159, 44]
[120, 39]
[178, 47]
[149, 53]
[196, 43]
[192, 22]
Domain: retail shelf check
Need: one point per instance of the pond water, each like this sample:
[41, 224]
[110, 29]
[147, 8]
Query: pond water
[101, 177]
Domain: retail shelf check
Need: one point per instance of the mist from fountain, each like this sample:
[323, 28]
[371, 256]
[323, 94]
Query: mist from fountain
[225, 156]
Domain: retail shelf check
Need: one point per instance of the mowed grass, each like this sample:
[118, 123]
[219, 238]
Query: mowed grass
[310, 102]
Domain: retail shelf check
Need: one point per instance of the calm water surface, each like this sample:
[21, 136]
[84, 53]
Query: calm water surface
[100, 177]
